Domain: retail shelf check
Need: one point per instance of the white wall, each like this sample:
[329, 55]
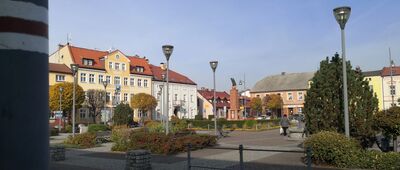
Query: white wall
[186, 96]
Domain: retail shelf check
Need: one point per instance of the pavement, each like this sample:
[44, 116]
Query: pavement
[101, 158]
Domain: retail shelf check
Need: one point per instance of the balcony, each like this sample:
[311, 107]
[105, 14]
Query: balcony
[178, 102]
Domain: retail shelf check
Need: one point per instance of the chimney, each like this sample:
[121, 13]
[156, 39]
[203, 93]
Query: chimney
[283, 73]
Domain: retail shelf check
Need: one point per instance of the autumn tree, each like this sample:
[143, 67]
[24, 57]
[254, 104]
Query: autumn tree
[256, 105]
[273, 102]
[95, 102]
[143, 102]
[67, 94]
[323, 105]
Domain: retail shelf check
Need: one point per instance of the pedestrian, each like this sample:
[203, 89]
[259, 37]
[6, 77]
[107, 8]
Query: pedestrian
[284, 124]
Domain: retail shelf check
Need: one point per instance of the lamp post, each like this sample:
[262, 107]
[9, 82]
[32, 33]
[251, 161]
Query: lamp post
[214, 65]
[59, 121]
[163, 76]
[342, 14]
[167, 50]
[243, 82]
[105, 84]
[74, 68]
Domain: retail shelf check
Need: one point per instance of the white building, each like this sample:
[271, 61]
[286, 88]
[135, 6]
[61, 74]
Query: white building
[182, 90]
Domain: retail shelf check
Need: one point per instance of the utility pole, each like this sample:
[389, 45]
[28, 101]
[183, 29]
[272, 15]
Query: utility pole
[24, 109]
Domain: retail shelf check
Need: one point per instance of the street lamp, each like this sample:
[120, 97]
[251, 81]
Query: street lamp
[244, 96]
[167, 50]
[105, 84]
[163, 76]
[214, 65]
[61, 89]
[342, 14]
[74, 68]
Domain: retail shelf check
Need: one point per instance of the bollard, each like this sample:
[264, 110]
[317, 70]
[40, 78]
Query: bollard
[241, 157]
[189, 147]
[256, 127]
[309, 159]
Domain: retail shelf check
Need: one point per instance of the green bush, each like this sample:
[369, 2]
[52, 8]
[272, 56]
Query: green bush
[337, 150]
[198, 117]
[84, 140]
[53, 132]
[68, 129]
[154, 126]
[178, 124]
[332, 148]
[97, 127]
[210, 117]
[250, 123]
[230, 123]
[120, 137]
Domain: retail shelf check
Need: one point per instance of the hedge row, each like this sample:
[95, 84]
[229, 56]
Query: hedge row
[232, 123]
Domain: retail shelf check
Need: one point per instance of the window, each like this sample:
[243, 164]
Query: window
[83, 77]
[117, 97]
[191, 98]
[125, 96]
[110, 65]
[290, 96]
[139, 82]
[392, 90]
[117, 56]
[300, 109]
[139, 69]
[184, 97]
[82, 113]
[108, 96]
[132, 82]
[125, 81]
[131, 96]
[123, 66]
[116, 66]
[60, 78]
[176, 97]
[300, 96]
[101, 79]
[91, 78]
[108, 79]
[117, 80]
[145, 83]
[87, 62]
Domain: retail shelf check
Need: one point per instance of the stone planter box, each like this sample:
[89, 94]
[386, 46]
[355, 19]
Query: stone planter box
[57, 153]
[138, 160]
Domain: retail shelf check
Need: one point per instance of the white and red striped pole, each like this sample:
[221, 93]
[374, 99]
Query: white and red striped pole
[24, 82]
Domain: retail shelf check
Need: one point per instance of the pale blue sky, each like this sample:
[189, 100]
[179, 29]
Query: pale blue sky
[257, 37]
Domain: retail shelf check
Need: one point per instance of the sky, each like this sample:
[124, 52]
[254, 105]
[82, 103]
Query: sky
[255, 39]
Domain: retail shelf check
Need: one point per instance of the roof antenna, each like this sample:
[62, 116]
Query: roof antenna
[69, 38]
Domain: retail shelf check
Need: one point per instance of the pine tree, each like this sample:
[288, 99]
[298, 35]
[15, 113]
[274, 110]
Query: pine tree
[324, 101]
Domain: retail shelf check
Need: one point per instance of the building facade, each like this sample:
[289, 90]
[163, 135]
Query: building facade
[291, 87]
[59, 73]
[124, 76]
[205, 103]
[375, 82]
[390, 87]
[183, 94]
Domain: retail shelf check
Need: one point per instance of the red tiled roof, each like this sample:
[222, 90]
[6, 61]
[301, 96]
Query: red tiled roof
[386, 71]
[141, 62]
[78, 54]
[208, 94]
[173, 76]
[59, 68]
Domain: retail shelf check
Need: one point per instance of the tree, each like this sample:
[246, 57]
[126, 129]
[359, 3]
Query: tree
[387, 122]
[143, 102]
[256, 105]
[273, 102]
[122, 114]
[95, 102]
[66, 102]
[323, 105]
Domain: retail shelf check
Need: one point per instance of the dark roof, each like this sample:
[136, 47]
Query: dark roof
[209, 94]
[136, 61]
[173, 76]
[283, 82]
[372, 73]
[59, 68]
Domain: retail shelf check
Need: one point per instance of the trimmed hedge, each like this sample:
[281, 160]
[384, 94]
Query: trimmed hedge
[337, 150]
[53, 132]
[159, 142]
[232, 123]
[84, 140]
[97, 127]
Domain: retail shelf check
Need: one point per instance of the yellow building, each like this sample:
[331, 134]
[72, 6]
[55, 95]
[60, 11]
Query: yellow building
[374, 79]
[125, 75]
[59, 73]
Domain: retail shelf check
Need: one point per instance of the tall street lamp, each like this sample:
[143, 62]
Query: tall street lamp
[243, 82]
[74, 68]
[342, 14]
[167, 50]
[105, 84]
[61, 89]
[163, 76]
[214, 65]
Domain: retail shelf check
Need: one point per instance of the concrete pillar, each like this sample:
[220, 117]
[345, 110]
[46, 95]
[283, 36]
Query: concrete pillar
[24, 110]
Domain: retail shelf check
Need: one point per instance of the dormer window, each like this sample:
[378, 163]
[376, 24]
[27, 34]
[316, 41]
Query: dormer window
[87, 62]
[139, 69]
